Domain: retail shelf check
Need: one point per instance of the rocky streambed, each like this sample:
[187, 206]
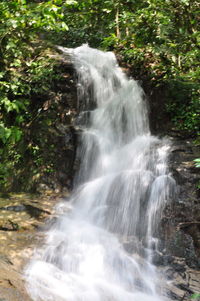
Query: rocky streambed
[22, 223]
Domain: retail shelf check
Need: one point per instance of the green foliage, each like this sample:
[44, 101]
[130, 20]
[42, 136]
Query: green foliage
[183, 104]
[197, 162]
[25, 70]
[195, 296]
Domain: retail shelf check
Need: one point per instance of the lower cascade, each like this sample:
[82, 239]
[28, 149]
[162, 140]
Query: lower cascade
[102, 245]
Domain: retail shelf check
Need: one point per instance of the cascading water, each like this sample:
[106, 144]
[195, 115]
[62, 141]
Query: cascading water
[121, 190]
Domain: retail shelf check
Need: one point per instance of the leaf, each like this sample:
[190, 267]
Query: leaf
[195, 296]
[197, 164]
[64, 26]
[70, 2]
[5, 133]
[16, 134]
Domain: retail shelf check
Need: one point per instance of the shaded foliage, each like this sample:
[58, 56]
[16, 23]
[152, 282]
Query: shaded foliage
[26, 71]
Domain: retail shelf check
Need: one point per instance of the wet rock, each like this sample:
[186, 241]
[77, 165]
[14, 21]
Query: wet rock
[11, 284]
[181, 220]
[35, 211]
[180, 226]
[8, 225]
[194, 280]
[20, 215]
[16, 208]
[160, 259]
[179, 280]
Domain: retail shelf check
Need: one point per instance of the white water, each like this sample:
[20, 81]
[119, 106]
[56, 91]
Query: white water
[121, 190]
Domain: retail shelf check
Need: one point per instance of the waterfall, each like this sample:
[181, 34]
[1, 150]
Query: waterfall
[120, 192]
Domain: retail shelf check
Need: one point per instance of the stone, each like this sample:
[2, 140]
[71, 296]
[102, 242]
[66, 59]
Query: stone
[17, 243]
[8, 225]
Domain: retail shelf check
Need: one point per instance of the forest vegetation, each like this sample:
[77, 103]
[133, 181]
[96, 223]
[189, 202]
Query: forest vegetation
[158, 40]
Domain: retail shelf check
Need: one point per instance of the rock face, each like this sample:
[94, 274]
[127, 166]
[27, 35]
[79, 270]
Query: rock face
[185, 211]
[180, 233]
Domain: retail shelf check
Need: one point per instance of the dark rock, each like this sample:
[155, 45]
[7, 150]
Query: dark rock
[8, 225]
[185, 288]
[35, 211]
[182, 235]
[170, 273]
[5, 259]
[17, 208]
[174, 296]
[178, 267]
[180, 226]
[158, 259]
[31, 210]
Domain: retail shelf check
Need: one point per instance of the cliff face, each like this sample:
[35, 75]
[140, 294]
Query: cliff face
[181, 223]
[185, 211]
